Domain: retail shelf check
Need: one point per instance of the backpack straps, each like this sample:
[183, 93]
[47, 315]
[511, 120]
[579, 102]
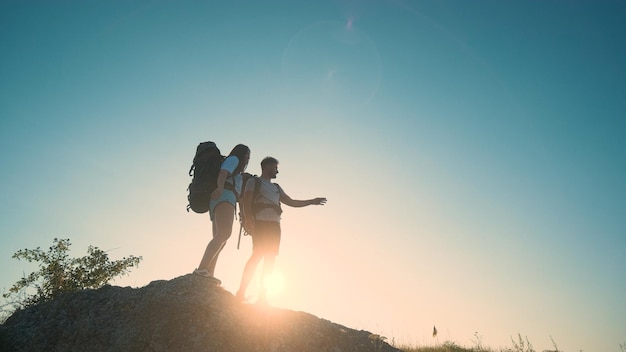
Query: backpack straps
[257, 189]
[258, 206]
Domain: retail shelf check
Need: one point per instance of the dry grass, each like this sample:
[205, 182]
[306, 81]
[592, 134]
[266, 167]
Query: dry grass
[519, 345]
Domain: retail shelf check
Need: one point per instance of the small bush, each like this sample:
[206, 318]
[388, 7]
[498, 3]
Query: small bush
[58, 273]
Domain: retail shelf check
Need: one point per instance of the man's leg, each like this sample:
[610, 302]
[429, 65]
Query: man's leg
[268, 269]
[248, 274]
[270, 251]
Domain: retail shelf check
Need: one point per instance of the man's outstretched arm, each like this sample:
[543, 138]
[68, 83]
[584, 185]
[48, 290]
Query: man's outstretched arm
[285, 199]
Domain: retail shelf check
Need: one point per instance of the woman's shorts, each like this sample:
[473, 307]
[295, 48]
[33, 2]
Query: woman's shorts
[227, 196]
[266, 237]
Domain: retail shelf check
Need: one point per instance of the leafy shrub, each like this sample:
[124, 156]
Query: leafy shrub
[58, 273]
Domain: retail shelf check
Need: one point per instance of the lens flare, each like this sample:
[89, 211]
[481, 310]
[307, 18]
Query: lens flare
[275, 284]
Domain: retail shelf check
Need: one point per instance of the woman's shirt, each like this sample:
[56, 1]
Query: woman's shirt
[230, 164]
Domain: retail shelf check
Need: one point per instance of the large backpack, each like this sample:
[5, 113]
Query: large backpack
[257, 188]
[245, 176]
[205, 169]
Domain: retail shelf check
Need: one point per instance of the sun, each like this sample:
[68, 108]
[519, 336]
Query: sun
[275, 283]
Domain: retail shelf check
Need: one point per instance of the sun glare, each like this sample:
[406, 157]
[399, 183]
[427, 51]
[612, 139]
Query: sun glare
[275, 284]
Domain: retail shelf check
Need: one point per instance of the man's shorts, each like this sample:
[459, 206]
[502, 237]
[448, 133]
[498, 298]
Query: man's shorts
[227, 196]
[266, 237]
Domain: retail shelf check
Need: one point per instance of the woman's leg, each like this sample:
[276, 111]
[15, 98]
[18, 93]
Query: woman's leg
[222, 228]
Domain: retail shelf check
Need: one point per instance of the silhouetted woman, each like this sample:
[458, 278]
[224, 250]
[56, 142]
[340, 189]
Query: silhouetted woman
[222, 208]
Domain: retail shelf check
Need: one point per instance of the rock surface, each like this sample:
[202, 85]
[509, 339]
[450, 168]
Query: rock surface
[184, 314]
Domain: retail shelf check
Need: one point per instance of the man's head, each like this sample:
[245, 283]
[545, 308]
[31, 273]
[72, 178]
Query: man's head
[269, 167]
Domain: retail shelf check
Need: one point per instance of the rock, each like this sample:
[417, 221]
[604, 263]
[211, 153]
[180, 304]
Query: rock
[184, 314]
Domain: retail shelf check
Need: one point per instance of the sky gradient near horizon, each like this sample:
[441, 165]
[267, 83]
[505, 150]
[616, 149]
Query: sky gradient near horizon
[472, 153]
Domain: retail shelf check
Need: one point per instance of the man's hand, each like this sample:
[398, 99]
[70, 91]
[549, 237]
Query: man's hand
[318, 201]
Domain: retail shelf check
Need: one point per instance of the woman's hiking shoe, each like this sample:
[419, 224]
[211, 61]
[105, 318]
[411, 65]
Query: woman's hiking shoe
[204, 273]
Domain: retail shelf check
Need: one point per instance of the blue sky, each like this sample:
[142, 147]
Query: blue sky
[472, 152]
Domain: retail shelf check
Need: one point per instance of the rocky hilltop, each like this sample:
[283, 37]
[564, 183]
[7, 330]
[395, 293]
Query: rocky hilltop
[184, 314]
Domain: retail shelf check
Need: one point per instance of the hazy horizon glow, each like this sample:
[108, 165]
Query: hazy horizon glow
[472, 153]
